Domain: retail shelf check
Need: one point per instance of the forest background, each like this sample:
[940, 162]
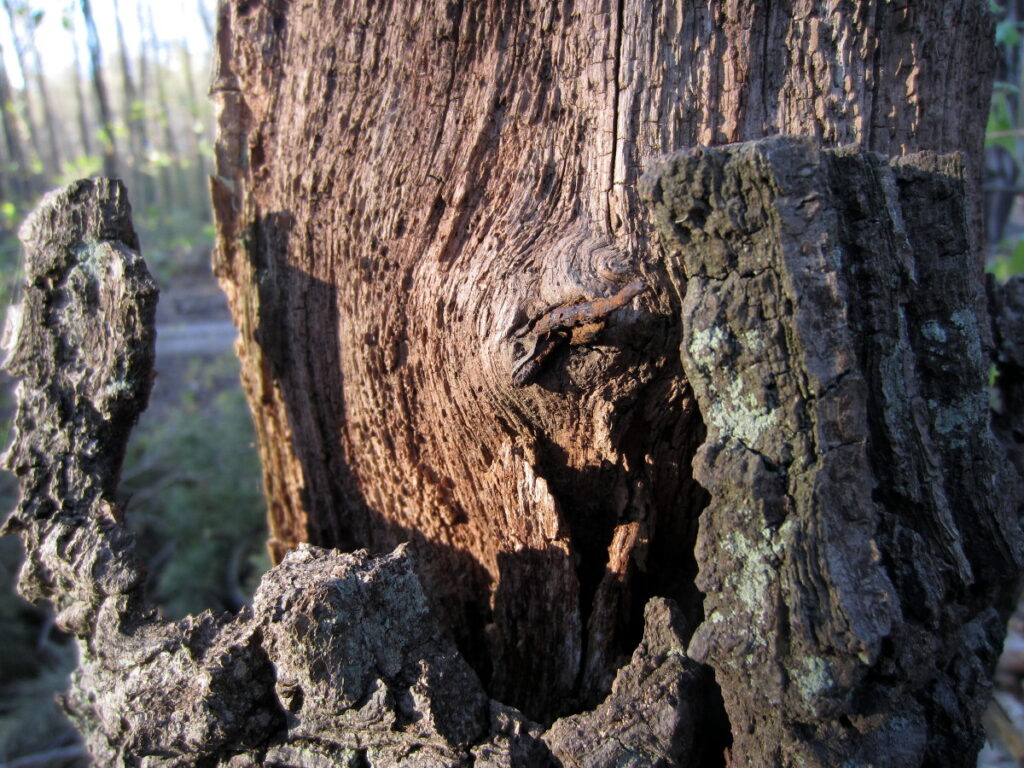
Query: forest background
[119, 88]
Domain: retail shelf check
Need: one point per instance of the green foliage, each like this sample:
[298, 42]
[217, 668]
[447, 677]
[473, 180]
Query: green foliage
[137, 110]
[1008, 33]
[1007, 261]
[8, 215]
[1000, 118]
[1003, 128]
[174, 242]
[194, 496]
[80, 167]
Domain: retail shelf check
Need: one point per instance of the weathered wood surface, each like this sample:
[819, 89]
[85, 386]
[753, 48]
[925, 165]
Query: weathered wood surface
[401, 186]
[338, 662]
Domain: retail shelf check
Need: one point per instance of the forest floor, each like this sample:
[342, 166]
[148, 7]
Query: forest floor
[192, 321]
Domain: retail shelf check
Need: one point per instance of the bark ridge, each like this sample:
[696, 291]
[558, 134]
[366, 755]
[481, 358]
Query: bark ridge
[862, 546]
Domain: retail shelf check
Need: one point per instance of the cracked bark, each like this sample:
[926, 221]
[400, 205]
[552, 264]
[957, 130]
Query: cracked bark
[861, 549]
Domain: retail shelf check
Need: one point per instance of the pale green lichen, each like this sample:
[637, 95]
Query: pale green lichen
[812, 678]
[99, 259]
[753, 575]
[962, 319]
[961, 418]
[706, 344]
[966, 322]
[752, 339]
[738, 414]
[116, 388]
[933, 331]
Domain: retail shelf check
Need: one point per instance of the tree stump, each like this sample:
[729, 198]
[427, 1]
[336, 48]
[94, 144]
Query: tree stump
[859, 551]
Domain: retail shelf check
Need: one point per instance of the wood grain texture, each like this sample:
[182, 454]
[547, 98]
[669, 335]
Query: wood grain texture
[339, 659]
[402, 185]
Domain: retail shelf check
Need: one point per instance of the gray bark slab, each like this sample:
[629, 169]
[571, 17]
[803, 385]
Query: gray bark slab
[862, 547]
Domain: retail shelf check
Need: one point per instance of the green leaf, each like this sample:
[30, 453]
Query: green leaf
[1000, 120]
[1007, 33]
[7, 209]
[1006, 265]
[1017, 259]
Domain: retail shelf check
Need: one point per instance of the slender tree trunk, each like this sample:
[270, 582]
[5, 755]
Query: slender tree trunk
[206, 18]
[25, 99]
[410, 189]
[108, 139]
[13, 146]
[145, 61]
[84, 133]
[132, 110]
[55, 155]
[200, 167]
[171, 170]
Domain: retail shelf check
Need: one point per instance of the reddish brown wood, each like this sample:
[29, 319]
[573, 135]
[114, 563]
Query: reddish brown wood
[402, 185]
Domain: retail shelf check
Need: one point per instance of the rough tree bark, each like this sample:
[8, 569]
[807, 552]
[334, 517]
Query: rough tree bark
[858, 554]
[403, 188]
[760, 456]
[862, 544]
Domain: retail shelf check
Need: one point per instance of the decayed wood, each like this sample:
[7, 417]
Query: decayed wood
[338, 661]
[402, 185]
